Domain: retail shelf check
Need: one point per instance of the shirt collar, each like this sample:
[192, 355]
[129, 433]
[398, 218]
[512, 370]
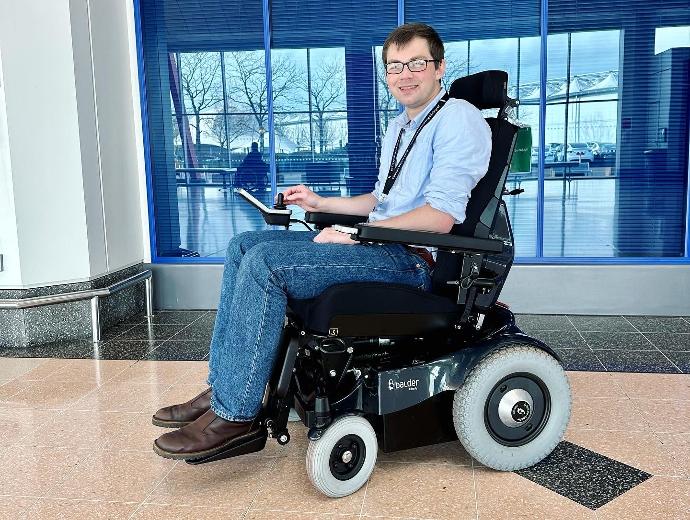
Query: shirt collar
[403, 120]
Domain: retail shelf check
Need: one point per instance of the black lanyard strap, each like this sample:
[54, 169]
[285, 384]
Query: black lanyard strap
[395, 169]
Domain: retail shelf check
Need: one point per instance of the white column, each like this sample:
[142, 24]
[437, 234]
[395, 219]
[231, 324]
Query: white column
[70, 142]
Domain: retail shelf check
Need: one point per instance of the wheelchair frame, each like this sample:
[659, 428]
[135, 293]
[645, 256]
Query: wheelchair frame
[409, 381]
[396, 382]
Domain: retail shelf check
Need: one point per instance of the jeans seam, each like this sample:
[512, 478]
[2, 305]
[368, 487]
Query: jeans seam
[256, 344]
[231, 259]
[228, 417]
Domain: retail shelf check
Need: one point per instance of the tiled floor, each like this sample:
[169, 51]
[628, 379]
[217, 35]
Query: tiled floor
[77, 437]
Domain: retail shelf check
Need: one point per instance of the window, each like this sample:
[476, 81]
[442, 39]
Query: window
[581, 114]
[616, 87]
[311, 119]
[614, 145]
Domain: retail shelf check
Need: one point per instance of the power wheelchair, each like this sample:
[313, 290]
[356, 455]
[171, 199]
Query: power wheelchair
[373, 365]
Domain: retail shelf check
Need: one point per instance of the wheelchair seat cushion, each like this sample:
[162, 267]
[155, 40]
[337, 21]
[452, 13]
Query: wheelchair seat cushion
[373, 309]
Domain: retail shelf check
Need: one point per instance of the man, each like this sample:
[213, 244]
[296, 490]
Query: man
[252, 174]
[263, 269]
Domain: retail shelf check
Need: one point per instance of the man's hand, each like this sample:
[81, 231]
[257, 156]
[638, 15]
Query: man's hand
[303, 197]
[331, 236]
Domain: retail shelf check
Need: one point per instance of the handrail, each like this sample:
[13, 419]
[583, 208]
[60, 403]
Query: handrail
[38, 301]
[89, 294]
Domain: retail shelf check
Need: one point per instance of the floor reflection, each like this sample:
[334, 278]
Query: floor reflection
[578, 217]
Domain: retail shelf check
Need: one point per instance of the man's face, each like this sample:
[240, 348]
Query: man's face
[414, 90]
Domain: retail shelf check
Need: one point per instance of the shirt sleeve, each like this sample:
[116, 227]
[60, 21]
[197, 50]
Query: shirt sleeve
[377, 189]
[461, 149]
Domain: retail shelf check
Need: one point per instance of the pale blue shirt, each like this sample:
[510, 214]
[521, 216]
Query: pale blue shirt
[449, 157]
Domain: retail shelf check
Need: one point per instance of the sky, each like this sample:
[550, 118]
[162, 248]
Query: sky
[591, 52]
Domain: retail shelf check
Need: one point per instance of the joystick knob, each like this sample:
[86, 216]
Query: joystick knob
[280, 204]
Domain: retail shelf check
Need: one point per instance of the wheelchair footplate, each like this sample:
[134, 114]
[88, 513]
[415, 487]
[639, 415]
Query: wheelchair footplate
[251, 444]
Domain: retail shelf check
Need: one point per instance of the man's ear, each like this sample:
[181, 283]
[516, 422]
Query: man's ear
[441, 69]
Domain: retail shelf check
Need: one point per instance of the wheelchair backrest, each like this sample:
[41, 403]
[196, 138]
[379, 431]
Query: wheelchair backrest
[487, 90]
[485, 214]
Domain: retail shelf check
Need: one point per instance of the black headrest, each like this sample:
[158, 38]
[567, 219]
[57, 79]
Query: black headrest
[488, 89]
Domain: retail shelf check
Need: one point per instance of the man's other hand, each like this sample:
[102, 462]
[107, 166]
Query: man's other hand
[331, 236]
[302, 197]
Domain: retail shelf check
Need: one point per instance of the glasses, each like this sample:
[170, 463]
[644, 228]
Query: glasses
[396, 67]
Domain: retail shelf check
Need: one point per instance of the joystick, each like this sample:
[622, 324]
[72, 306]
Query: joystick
[278, 215]
[280, 204]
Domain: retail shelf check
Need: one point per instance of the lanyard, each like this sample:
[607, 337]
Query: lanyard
[395, 169]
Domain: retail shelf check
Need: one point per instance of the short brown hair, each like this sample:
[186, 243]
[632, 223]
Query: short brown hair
[405, 33]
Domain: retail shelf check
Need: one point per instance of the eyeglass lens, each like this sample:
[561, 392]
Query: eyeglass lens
[396, 67]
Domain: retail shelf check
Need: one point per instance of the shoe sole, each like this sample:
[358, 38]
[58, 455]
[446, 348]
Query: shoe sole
[236, 442]
[168, 424]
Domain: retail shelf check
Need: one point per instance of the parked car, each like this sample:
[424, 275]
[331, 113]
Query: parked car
[593, 147]
[549, 155]
[576, 152]
[607, 150]
[553, 151]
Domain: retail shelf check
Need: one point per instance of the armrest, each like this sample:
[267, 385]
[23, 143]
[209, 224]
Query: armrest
[368, 233]
[322, 220]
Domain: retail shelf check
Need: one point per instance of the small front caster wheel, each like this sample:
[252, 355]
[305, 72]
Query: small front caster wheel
[342, 459]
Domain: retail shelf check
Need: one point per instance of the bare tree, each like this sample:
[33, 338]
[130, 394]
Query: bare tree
[387, 103]
[592, 127]
[297, 133]
[456, 67]
[178, 153]
[201, 84]
[237, 126]
[334, 132]
[326, 87]
[247, 89]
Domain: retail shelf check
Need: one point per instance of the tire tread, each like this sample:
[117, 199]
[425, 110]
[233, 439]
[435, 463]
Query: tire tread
[462, 409]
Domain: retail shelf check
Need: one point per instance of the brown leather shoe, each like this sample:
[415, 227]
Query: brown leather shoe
[179, 415]
[207, 435]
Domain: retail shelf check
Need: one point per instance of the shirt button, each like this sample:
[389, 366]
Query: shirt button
[418, 266]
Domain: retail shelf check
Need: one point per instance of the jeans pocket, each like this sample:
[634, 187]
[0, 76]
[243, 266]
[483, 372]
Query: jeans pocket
[425, 274]
[402, 258]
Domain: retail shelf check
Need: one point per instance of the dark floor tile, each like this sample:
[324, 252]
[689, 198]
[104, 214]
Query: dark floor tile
[208, 319]
[602, 324]
[75, 349]
[197, 331]
[659, 324]
[180, 351]
[135, 319]
[534, 322]
[560, 339]
[636, 361]
[584, 476]
[680, 359]
[617, 341]
[580, 360]
[115, 331]
[120, 349]
[177, 317]
[670, 341]
[153, 332]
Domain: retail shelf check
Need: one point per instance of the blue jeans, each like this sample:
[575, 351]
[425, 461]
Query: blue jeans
[262, 270]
